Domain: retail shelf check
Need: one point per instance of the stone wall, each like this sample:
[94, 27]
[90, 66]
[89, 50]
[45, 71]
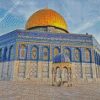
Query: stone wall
[42, 71]
[85, 72]
[32, 70]
[6, 70]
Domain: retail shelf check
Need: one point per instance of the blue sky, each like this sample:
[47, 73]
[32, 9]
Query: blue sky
[81, 15]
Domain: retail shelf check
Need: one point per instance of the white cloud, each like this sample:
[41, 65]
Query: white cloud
[9, 11]
[81, 15]
[87, 25]
[26, 8]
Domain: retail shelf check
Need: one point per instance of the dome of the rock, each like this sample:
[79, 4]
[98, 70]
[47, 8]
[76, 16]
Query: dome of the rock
[46, 17]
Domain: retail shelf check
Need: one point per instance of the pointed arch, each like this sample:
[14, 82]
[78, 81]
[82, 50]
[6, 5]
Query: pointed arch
[95, 55]
[45, 53]
[87, 55]
[23, 52]
[77, 55]
[56, 51]
[11, 52]
[0, 53]
[34, 52]
[5, 56]
[67, 54]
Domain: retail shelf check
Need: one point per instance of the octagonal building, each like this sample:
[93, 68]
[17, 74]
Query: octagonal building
[47, 52]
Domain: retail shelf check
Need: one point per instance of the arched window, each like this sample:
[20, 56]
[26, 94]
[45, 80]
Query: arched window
[95, 57]
[5, 56]
[0, 53]
[87, 55]
[76, 54]
[98, 59]
[56, 51]
[67, 54]
[35, 52]
[23, 51]
[11, 52]
[45, 53]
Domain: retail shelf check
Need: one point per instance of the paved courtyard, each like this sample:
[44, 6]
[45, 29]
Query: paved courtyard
[29, 90]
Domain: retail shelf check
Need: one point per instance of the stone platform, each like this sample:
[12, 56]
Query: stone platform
[29, 90]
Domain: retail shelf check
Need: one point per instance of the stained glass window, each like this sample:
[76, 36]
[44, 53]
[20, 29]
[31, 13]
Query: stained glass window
[34, 52]
[23, 51]
[76, 54]
[87, 55]
[0, 53]
[5, 53]
[56, 51]
[67, 54]
[11, 53]
[45, 53]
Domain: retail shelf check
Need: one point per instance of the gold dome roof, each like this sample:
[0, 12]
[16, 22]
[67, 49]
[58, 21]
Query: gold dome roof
[46, 17]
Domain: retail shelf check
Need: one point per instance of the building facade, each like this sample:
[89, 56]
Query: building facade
[46, 52]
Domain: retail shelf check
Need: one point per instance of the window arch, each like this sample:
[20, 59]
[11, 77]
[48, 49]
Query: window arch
[23, 51]
[67, 54]
[95, 57]
[77, 54]
[45, 53]
[11, 52]
[5, 53]
[98, 59]
[34, 52]
[87, 55]
[0, 53]
[56, 51]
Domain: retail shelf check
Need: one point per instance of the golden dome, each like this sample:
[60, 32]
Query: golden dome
[46, 17]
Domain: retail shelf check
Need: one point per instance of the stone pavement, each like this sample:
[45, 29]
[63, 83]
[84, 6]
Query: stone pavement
[28, 90]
